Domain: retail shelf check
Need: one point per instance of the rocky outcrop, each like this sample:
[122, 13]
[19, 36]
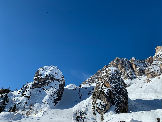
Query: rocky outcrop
[44, 92]
[125, 66]
[158, 49]
[46, 78]
[129, 69]
[133, 68]
[155, 69]
[46, 75]
[107, 91]
[49, 74]
[110, 91]
[3, 98]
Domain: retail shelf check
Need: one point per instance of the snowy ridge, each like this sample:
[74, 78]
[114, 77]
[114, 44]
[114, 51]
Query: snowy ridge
[64, 112]
[146, 107]
[47, 98]
[50, 70]
[31, 99]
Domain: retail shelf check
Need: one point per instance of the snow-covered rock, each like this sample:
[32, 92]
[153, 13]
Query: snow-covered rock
[133, 68]
[38, 96]
[46, 75]
[105, 92]
[144, 105]
[110, 91]
[155, 69]
[71, 86]
[3, 98]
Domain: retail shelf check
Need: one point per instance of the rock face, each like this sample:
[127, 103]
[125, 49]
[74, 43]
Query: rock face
[46, 75]
[158, 49]
[110, 88]
[129, 69]
[125, 66]
[44, 92]
[47, 78]
[155, 69]
[133, 68]
[3, 98]
[110, 91]
[49, 74]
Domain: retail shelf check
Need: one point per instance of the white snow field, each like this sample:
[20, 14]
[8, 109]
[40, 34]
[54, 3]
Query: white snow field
[145, 105]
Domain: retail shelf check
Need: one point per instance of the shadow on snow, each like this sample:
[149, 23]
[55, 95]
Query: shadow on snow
[72, 97]
[144, 105]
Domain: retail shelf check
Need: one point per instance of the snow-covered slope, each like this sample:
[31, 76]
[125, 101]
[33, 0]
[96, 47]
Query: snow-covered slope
[35, 101]
[38, 96]
[145, 104]
[63, 111]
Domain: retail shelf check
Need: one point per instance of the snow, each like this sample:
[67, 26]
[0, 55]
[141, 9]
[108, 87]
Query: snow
[39, 97]
[10, 116]
[112, 70]
[50, 70]
[144, 104]
[71, 86]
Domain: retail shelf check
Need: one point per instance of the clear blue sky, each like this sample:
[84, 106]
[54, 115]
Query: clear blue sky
[78, 36]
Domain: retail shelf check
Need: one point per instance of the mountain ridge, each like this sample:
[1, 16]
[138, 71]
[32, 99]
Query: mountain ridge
[119, 88]
[132, 68]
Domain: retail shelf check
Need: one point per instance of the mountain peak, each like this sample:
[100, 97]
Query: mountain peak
[98, 98]
[158, 49]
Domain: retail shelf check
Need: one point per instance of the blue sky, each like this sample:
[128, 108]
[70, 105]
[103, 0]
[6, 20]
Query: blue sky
[79, 37]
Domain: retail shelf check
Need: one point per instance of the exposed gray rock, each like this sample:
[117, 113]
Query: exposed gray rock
[113, 82]
[110, 91]
[47, 76]
[133, 68]
[45, 91]
[3, 98]
[155, 69]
